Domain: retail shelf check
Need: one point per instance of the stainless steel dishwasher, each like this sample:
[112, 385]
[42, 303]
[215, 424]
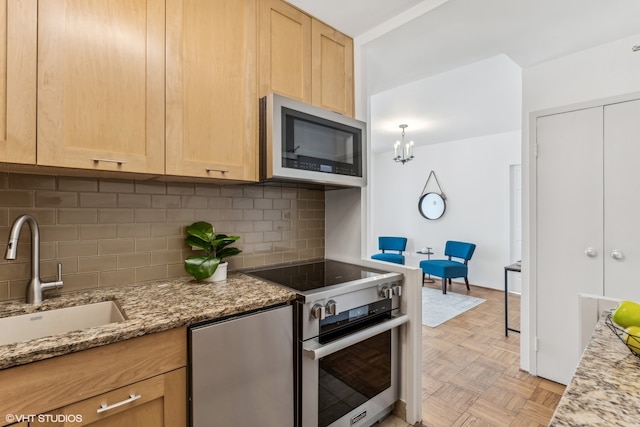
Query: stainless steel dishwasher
[241, 370]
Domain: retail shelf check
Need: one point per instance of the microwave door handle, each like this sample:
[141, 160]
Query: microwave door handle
[317, 351]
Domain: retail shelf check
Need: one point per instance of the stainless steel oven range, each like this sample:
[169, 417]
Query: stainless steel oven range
[346, 321]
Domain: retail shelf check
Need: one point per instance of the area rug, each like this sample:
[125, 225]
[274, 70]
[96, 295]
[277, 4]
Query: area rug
[437, 307]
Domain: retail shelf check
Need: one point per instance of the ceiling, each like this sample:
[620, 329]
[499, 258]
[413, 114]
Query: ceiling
[419, 42]
[355, 17]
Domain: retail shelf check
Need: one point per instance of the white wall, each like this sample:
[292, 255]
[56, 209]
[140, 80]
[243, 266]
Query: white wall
[607, 70]
[474, 175]
[343, 223]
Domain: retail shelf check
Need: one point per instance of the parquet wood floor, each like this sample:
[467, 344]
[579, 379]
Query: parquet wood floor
[471, 374]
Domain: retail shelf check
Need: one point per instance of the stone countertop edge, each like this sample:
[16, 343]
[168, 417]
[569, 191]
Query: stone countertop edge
[605, 389]
[149, 307]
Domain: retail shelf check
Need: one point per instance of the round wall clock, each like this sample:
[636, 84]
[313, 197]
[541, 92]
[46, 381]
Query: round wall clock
[431, 205]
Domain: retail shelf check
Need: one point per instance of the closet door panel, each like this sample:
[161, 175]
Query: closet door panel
[622, 200]
[569, 220]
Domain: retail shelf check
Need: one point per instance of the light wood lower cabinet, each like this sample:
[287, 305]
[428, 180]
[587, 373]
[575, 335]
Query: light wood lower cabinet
[156, 402]
[152, 367]
[18, 34]
[101, 85]
[212, 102]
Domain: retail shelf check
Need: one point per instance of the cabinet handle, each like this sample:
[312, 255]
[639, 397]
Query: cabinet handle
[590, 252]
[119, 162]
[132, 397]
[216, 170]
[616, 254]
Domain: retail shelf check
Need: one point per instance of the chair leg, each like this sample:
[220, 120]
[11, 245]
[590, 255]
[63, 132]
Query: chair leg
[444, 285]
[467, 282]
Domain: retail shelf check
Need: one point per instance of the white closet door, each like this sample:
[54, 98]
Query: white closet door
[622, 200]
[569, 221]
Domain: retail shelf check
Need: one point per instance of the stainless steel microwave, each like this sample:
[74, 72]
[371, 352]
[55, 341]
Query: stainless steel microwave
[302, 143]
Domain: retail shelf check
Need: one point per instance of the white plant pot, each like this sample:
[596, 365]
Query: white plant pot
[220, 274]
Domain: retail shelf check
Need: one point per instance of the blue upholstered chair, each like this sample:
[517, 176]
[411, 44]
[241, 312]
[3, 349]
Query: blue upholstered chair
[447, 268]
[395, 244]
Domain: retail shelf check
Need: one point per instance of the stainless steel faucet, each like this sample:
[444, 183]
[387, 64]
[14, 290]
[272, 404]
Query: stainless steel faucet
[35, 286]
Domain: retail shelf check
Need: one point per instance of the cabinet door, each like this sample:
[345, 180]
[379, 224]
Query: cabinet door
[18, 37]
[156, 402]
[332, 65]
[621, 202]
[101, 84]
[569, 220]
[285, 51]
[212, 103]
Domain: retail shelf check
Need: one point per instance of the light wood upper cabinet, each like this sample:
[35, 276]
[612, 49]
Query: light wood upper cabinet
[18, 47]
[332, 65]
[285, 51]
[101, 85]
[140, 86]
[304, 59]
[212, 102]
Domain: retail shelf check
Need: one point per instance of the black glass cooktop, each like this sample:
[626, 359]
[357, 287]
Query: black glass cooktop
[315, 275]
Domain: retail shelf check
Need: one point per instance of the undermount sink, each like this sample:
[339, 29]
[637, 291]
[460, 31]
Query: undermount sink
[30, 326]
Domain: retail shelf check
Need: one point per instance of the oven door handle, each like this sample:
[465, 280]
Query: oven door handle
[315, 351]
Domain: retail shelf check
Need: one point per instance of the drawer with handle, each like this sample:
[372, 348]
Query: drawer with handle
[145, 403]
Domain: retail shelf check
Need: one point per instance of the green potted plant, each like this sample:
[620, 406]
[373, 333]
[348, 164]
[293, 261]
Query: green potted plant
[209, 267]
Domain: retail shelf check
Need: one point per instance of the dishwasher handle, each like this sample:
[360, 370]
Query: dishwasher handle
[315, 350]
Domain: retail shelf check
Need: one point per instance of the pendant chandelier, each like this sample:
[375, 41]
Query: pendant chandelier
[403, 152]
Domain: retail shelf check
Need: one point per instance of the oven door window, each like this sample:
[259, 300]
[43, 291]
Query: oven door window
[352, 376]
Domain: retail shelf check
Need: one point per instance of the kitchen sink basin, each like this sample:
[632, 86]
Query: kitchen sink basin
[52, 322]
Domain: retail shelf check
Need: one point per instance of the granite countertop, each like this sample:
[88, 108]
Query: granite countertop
[149, 307]
[605, 389]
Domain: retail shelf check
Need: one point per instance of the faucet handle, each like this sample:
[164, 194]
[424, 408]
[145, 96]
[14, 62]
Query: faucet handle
[58, 283]
[55, 284]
